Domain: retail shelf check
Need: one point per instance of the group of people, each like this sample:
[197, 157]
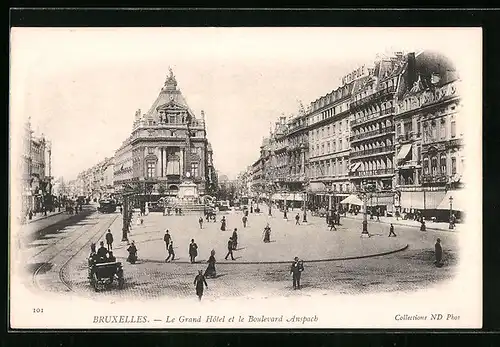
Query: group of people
[101, 255]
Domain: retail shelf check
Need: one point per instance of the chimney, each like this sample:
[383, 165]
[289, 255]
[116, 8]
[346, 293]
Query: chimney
[411, 72]
[283, 119]
[399, 55]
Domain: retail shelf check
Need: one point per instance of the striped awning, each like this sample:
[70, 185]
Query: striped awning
[422, 200]
[457, 203]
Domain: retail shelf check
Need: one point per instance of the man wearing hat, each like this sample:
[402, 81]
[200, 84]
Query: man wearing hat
[296, 271]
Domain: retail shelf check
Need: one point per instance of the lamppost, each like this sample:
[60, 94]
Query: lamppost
[285, 194]
[304, 220]
[365, 219]
[451, 226]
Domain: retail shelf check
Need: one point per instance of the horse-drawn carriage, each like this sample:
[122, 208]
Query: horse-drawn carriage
[102, 275]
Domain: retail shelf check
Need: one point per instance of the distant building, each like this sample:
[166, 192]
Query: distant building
[167, 146]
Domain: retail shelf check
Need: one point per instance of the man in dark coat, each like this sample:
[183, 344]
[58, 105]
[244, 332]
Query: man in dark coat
[244, 219]
[297, 219]
[223, 224]
[439, 253]
[102, 252]
[391, 231]
[200, 221]
[193, 251]
[229, 249]
[296, 270]
[199, 281]
[167, 238]
[109, 240]
[235, 239]
[170, 252]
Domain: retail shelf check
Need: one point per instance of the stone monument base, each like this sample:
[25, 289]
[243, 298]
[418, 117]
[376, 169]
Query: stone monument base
[188, 191]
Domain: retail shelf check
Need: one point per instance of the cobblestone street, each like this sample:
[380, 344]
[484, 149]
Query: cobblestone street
[262, 270]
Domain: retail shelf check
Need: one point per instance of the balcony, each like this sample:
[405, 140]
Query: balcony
[408, 137]
[367, 152]
[454, 143]
[373, 133]
[301, 145]
[371, 117]
[436, 178]
[378, 172]
[373, 96]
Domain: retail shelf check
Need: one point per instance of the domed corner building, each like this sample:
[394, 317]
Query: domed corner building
[167, 154]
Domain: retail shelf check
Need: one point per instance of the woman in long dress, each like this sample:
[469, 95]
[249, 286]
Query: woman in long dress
[210, 272]
[223, 224]
[267, 233]
[199, 281]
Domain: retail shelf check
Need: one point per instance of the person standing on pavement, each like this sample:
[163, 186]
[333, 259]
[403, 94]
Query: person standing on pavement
[296, 270]
[193, 251]
[167, 238]
[223, 224]
[244, 219]
[199, 281]
[391, 231]
[439, 253]
[170, 252]
[267, 233]
[210, 271]
[332, 224]
[109, 240]
[230, 249]
[200, 221]
[235, 239]
[297, 219]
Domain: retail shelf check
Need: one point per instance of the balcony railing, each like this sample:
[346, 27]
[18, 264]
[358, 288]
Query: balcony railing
[372, 133]
[377, 172]
[410, 136]
[372, 116]
[436, 178]
[372, 151]
[373, 96]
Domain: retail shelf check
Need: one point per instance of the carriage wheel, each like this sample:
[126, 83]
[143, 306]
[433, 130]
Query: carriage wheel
[121, 282]
[95, 282]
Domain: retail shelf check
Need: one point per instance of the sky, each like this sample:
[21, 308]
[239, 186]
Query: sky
[82, 86]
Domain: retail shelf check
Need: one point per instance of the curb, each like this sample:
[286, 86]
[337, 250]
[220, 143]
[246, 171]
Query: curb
[44, 217]
[409, 226]
[279, 262]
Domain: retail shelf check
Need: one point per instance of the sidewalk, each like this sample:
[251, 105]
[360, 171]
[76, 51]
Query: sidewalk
[43, 222]
[441, 226]
[42, 216]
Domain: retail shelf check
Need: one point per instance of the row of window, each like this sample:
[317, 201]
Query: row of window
[329, 130]
[329, 147]
[431, 166]
[330, 167]
[151, 170]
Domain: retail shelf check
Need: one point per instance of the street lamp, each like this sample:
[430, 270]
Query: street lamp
[451, 226]
[365, 220]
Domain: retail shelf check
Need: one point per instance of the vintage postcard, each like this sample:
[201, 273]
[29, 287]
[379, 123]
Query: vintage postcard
[221, 178]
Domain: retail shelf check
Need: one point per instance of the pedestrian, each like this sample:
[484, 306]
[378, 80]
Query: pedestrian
[391, 231]
[223, 224]
[132, 253]
[111, 257]
[244, 219]
[332, 224]
[439, 253]
[235, 239]
[296, 270]
[200, 221]
[210, 271]
[230, 249]
[199, 281]
[109, 240]
[193, 251]
[167, 238]
[170, 252]
[422, 225]
[297, 219]
[121, 209]
[267, 233]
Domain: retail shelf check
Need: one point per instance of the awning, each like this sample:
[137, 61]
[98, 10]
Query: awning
[289, 196]
[403, 152]
[458, 202]
[353, 200]
[380, 201]
[317, 186]
[355, 167]
[422, 200]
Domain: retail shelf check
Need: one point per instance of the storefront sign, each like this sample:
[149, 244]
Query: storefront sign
[356, 74]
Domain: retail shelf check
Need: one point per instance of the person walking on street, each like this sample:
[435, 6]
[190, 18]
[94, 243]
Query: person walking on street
[109, 240]
[167, 238]
[193, 251]
[244, 219]
[235, 239]
[267, 234]
[170, 252]
[391, 231]
[296, 270]
[223, 224]
[297, 219]
[210, 271]
[439, 253]
[332, 224]
[229, 249]
[199, 281]
[200, 221]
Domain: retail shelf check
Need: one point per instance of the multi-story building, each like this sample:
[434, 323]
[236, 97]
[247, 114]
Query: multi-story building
[328, 127]
[429, 142]
[168, 145]
[372, 131]
[297, 151]
[36, 171]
